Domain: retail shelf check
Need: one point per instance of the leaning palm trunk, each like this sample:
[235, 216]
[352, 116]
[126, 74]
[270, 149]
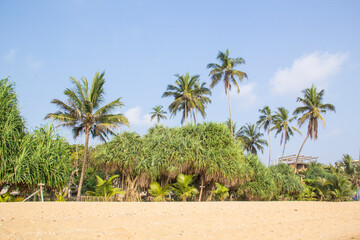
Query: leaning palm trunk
[84, 164]
[297, 158]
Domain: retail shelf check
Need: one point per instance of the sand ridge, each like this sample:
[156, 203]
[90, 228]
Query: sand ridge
[178, 220]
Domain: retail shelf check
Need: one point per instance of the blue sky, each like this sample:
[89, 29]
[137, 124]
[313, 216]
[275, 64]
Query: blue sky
[287, 45]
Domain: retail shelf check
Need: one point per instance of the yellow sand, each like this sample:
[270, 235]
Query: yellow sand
[190, 220]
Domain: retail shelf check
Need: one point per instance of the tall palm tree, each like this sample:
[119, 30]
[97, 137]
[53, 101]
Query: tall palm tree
[201, 95]
[282, 124]
[84, 114]
[266, 120]
[184, 92]
[312, 109]
[158, 113]
[231, 127]
[251, 137]
[226, 71]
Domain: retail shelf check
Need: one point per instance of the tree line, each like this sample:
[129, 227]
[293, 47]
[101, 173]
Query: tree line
[211, 154]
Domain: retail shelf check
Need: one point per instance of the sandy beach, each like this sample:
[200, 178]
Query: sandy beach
[190, 220]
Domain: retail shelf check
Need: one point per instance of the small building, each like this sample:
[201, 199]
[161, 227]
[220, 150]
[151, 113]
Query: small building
[302, 163]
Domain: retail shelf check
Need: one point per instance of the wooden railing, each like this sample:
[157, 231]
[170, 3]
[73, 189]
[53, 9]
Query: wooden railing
[291, 159]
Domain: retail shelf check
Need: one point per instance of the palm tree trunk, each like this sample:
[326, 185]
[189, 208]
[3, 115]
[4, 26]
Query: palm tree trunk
[296, 162]
[269, 145]
[284, 143]
[197, 118]
[283, 149]
[185, 114]
[231, 123]
[191, 116]
[84, 164]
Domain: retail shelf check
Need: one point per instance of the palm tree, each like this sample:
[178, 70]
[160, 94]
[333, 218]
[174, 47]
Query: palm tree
[201, 92]
[312, 109]
[266, 120]
[282, 125]
[158, 192]
[349, 167]
[83, 113]
[158, 113]
[231, 127]
[182, 188]
[251, 137]
[226, 71]
[105, 189]
[184, 92]
[221, 192]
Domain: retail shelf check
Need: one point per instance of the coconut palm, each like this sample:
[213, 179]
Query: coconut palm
[226, 71]
[201, 95]
[282, 124]
[158, 113]
[184, 92]
[182, 188]
[312, 109]
[265, 121]
[232, 127]
[341, 189]
[158, 192]
[105, 189]
[350, 168]
[83, 113]
[221, 192]
[251, 137]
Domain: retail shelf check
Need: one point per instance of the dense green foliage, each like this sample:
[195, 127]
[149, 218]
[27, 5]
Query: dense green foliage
[27, 159]
[11, 128]
[44, 158]
[289, 185]
[206, 150]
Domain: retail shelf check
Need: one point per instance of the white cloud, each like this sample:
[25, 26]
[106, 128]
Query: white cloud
[10, 55]
[34, 64]
[137, 118]
[246, 97]
[314, 68]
